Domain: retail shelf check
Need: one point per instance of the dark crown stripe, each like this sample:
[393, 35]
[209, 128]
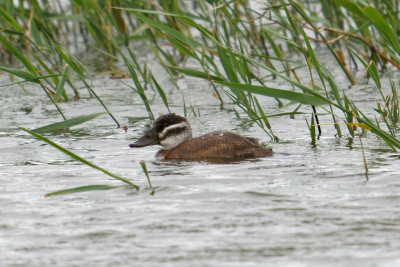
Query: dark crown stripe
[171, 118]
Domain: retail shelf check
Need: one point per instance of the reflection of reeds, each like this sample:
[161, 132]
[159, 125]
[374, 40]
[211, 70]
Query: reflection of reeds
[239, 50]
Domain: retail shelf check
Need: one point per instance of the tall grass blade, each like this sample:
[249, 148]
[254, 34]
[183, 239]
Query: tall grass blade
[33, 79]
[352, 6]
[18, 54]
[371, 68]
[81, 189]
[144, 167]
[172, 32]
[22, 74]
[78, 158]
[60, 86]
[160, 92]
[67, 124]
[277, 93]
[380, 23]
[196, 73]
[11, 20]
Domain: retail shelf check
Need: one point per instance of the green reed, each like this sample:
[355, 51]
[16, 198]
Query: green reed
[237, 48]
[220, 40]
[84, 161]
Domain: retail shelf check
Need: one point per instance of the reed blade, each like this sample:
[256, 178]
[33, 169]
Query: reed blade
[81, 189]
[78, 158]
[68, 123]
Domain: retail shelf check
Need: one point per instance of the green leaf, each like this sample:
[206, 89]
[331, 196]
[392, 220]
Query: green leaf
[134, 11]
[313, 57]
[292, 24]
[33, 79]
[78, 158]
[18, 55]
[72, 62]
[144, 167]
[196, 73]
[160, 91]
[36, 34]
[262, 113]
[83, 189]
[332, 84]
[380, 23]
[390, 140]
[67, 124]
[372, 71]
[20, 73]
[278, 93]
[10, 19]
[172, 32]
[352, 7]
[61, 83]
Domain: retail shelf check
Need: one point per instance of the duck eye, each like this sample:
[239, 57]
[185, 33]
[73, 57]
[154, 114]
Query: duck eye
[162, 126]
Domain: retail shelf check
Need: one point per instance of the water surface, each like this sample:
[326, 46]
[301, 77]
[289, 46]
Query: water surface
[305, 206]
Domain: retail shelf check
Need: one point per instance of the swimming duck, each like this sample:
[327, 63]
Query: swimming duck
[174, 134]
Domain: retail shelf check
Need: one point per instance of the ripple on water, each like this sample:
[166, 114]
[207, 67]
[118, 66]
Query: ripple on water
[304, 206]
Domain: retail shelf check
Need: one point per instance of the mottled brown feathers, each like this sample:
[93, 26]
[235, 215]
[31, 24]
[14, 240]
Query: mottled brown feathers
[219, 144]
[174, 134]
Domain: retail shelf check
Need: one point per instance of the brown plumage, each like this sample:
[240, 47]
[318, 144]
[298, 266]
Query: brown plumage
[219, 144]
[174, 134]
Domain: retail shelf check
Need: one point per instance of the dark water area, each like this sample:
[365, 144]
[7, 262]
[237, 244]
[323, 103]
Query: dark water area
[304, 206]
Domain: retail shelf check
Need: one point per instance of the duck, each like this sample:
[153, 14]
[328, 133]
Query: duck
[174, 134]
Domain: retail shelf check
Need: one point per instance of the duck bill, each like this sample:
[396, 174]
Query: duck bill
[150, 138]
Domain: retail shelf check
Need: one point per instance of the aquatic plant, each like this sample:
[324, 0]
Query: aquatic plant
[84, 161]
[237, 46]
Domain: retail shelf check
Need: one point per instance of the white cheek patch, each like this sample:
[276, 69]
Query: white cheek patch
[170, 128]
[174, 135]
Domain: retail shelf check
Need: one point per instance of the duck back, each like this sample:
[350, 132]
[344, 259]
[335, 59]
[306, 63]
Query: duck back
[219, 144]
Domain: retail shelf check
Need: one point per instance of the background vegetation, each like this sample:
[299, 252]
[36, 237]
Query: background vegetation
[239, 46]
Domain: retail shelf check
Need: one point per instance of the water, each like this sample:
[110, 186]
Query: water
[305, 206]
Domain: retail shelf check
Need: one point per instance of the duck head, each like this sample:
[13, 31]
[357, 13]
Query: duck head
[168, 130]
